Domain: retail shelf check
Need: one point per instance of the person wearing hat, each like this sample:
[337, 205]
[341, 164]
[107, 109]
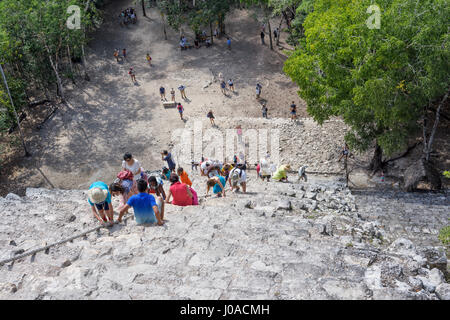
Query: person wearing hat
[280, 174]
[100, 200]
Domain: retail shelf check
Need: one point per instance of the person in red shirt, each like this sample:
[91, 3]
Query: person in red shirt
[181, 192]
[180, 110]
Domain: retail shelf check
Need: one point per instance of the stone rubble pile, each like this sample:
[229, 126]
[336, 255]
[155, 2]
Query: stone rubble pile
[301, 142]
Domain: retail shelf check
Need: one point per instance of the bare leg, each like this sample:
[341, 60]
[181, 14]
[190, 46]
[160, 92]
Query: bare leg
[162, 207]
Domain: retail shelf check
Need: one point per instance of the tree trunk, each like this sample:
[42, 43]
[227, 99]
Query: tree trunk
[279, 30]
[211, 30]
[83, 59]
[143, 8]
[221, 25]
[288, 22]
[70, 63]
[270, 34]
[27, 154]
[164, 25]
[377, 161]
[429, 143]
[58, 78]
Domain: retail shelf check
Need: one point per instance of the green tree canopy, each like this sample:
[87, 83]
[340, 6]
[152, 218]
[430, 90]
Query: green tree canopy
[377, 80]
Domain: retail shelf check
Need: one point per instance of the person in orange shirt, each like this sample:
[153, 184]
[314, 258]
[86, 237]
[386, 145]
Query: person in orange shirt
[184, 176]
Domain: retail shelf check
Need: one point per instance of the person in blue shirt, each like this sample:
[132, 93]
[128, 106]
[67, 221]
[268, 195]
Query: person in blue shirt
[100, 200]
[162, 93]
[146, 208]
[168, 157]
[229, 43]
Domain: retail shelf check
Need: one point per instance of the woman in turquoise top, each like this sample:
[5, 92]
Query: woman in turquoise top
[218, 184]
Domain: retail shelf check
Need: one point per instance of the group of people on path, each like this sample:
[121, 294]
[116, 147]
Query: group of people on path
[142, 191]
[127, 16]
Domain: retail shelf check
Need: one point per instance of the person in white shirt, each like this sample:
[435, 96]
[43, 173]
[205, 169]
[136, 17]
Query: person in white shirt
[265, 171]
[238, 176]
[133, 165]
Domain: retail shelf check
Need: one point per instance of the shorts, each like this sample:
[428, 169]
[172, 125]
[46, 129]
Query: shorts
[102, 206]
[293, 112]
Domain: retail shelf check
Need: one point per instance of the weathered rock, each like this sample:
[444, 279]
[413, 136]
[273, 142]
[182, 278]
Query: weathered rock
[421, 171]
[13, 197]
[284, 205]
[443, 291]
[249, 205]
[436, 277]
[435, 258]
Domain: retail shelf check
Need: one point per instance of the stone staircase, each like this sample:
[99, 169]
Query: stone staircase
[279, 241]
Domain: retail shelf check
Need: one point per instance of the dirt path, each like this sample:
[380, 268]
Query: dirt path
[109, 115]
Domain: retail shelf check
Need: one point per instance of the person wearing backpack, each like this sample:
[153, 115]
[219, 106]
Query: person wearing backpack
[238, 176]
[302, 173]
[265, 172]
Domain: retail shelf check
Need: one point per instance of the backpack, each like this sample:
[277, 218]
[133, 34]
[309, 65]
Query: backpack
[125, 175]
[235, 175]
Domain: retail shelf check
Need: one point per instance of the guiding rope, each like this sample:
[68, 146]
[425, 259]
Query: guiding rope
[33, 252]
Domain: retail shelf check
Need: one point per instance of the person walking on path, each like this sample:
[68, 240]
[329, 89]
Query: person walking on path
[264, 111]
[280, 174]
[162, 93]
[231, 85]
[239, 133]
[180, 110]
[146, 208]
[124, 53]
[180, 192]
[211, 117]
[218, 185]
[258, 90]
[172, 94]
[223, 87]
[302, 173]
[184, 176]
[100, 200]
[265, 172]
[167, 156]
[149, 59]
[116, 54]
[262, 37]
[182, 91]
[293, 111]
[132, 74]
[229, 43]
[344, 152]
